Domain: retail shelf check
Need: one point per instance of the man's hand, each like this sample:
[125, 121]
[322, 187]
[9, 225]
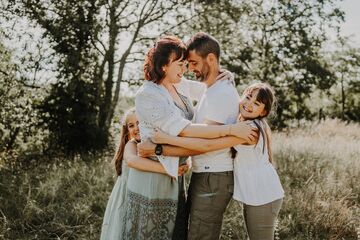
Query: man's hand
[184, 168]
[146, 148]
[245, 131]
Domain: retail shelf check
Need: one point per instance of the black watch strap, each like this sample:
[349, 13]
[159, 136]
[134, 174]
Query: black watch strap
[158, 149]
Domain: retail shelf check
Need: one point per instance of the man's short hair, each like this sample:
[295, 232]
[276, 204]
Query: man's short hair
[203, 44]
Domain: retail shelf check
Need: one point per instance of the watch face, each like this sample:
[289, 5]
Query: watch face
[158, 149]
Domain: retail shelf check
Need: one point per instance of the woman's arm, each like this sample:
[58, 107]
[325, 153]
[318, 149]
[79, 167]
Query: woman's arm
[200, 144]
[268, 138]
[240, 130]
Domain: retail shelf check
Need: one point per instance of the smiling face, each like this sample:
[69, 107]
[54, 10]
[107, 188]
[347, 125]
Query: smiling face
[198, 66]
[174, 70]
[250, 107]
[132, 125]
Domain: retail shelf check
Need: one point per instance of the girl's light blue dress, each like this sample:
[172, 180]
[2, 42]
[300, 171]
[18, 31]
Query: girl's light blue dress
[114, 219]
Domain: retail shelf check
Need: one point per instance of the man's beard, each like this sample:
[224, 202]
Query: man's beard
[204, 73]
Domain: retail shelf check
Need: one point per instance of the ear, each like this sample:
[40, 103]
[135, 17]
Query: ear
[211, 58]
[164, 68]
[263, 113]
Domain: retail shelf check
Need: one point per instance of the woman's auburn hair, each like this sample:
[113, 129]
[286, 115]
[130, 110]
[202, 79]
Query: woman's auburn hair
[165, 49]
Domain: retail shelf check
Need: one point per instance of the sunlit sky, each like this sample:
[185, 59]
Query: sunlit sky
[351, 26]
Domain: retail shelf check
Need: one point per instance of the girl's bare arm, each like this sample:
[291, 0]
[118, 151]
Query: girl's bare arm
[240, 130]
[200, 144]
[140, 163]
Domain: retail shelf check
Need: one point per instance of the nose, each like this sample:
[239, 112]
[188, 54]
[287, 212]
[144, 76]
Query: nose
[184, 69]
[191, 67]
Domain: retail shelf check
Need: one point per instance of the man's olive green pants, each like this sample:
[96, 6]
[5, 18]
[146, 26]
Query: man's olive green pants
[209, 195]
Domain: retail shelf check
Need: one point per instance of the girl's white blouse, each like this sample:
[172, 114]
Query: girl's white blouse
[256, 181]
[155, 108]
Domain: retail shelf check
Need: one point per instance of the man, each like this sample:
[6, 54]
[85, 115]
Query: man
[212, 182]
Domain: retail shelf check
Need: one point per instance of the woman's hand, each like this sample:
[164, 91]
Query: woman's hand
[160, 137]
[245, 131]
[146, 148]
[226, 75]
[184, 168]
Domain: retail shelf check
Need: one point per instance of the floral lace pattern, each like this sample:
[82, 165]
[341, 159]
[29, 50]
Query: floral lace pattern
[150, 218]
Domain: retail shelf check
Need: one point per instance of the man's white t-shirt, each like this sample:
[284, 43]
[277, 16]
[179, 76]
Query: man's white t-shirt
[219, 103]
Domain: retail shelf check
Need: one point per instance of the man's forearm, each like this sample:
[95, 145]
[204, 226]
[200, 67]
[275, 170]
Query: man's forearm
[169, 150]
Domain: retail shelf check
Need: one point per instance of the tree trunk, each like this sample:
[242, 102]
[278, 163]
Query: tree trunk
[105, 109]
[342, 97]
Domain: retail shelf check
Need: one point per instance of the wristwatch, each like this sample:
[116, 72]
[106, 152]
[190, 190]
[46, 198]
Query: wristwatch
[158, 149]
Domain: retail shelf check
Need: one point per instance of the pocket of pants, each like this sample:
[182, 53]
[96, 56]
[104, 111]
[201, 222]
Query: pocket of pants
[200, 191]
[231, 188]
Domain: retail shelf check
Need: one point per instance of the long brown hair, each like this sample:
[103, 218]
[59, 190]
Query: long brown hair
[266, 96]
[124, 138]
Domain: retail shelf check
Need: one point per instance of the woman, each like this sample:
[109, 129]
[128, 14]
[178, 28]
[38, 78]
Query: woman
[164, 102]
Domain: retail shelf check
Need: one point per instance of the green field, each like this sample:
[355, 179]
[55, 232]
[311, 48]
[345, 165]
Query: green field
[319, 166]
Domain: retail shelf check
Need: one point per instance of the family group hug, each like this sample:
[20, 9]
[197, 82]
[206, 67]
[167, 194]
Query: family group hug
[226, 135]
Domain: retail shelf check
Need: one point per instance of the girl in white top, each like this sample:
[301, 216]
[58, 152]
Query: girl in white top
[256, 184]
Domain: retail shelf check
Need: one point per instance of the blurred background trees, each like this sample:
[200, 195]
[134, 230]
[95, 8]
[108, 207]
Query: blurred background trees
[86, 39]
[70, 78]
[346, 90]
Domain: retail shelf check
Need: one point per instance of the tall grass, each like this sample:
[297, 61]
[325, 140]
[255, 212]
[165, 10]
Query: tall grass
[61, 201]
[319, 166]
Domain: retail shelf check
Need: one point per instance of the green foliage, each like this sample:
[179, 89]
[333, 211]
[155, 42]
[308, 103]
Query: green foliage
[346, 97]
[70, 112]
[8, 91]
[19, 128]
[279, 44]
[71, 109]
[90, 43]
[87, 37]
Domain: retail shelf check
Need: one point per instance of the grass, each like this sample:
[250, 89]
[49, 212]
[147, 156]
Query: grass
[60, 201]
[319, 166]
